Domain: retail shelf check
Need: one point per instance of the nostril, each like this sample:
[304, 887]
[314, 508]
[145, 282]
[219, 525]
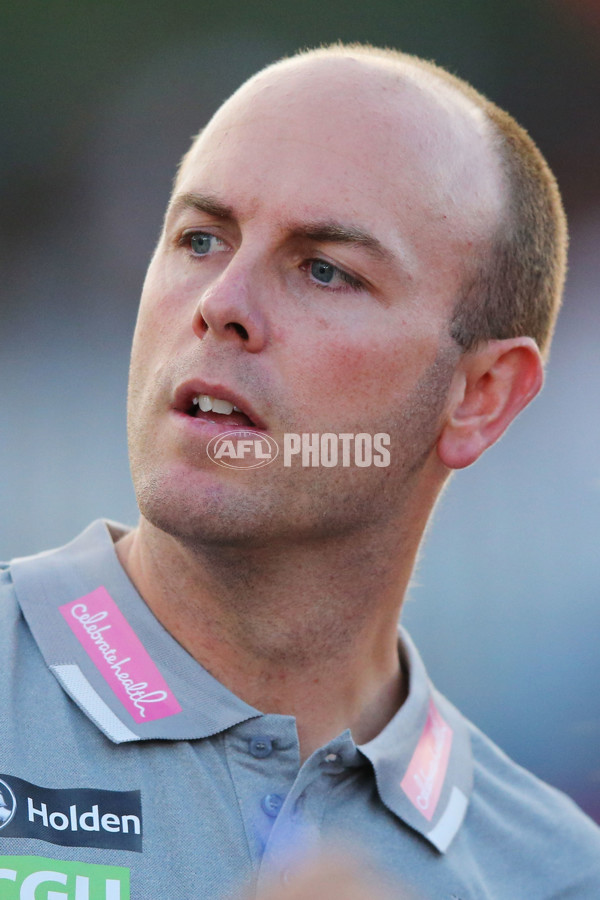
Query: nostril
[200, 325]
[239, 329]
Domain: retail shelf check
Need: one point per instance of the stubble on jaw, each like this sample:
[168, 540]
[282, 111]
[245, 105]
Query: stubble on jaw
[270, 506]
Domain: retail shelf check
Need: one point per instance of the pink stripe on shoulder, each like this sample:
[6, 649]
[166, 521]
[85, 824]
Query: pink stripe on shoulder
[119, 655]
[426, 771]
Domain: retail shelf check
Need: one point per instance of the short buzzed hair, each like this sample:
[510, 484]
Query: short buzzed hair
[515, 286]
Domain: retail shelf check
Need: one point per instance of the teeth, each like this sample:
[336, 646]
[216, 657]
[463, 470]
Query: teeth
[213, 404]
[222, 406]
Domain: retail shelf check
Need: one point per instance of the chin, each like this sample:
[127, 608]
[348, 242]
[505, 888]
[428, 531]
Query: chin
[206, 514]
[238, 514]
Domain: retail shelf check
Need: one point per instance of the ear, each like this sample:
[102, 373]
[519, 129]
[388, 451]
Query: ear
[490, 387]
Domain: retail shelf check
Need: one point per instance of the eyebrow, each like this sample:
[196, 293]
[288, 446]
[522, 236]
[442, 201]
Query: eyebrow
[202, 203]
[325, 232]
[336, 233]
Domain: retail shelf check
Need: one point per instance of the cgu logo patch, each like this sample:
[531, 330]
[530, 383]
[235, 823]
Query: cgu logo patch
[78, 817]
[39, 878]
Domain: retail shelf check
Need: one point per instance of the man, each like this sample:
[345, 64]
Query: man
[358, 246]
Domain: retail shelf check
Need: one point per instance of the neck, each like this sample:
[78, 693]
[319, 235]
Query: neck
[302, 630]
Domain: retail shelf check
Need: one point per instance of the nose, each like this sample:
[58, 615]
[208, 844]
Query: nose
[230, 309]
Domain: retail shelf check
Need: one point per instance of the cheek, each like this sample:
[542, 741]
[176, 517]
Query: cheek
[352, 365]
[146, 342]
[366, 362]
[354, 380]
[163, 316]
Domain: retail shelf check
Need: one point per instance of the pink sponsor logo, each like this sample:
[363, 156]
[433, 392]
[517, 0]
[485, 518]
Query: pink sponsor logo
[426, 772]
[119, 655]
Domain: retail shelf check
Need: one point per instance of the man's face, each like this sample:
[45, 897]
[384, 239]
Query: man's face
[311, 255]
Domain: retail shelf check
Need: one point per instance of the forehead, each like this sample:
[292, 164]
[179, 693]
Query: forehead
[344, 137]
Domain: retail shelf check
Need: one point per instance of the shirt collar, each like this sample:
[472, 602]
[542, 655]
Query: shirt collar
[110, 653]
[135, 682]
[422, 759]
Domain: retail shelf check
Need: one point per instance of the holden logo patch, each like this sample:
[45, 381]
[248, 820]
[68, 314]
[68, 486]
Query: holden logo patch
[8, 804]
[73, 817]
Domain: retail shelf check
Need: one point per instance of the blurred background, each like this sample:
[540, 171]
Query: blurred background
[99, 100]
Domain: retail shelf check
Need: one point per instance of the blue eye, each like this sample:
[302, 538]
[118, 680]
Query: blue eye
[201, 243]
[322, 271]
[326, 274]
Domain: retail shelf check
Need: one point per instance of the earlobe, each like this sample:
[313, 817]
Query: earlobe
[491, 386]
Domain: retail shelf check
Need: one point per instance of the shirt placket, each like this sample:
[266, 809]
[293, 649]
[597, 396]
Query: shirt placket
[263, 760]
[295, 834]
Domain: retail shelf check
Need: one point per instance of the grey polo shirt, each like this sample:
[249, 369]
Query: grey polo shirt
[128, 771]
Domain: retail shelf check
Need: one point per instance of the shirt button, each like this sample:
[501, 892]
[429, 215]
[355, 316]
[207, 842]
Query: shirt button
[271, 804]
[332, 758]
[261, 746]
